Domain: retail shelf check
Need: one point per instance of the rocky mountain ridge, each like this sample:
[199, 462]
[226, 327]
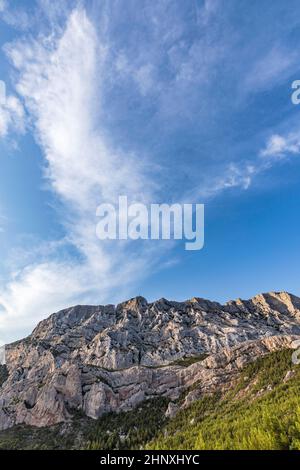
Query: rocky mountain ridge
[110, 358]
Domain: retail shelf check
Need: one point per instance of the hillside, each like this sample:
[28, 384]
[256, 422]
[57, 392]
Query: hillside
[261, 411]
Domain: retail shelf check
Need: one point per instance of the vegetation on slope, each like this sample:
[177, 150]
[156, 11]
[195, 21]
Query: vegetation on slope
[126, 430]
[262, 411]
[129, 430]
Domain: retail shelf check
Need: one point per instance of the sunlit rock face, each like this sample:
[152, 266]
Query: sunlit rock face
[109, 358]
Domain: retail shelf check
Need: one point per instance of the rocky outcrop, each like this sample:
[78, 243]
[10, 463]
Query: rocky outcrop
[105, 358]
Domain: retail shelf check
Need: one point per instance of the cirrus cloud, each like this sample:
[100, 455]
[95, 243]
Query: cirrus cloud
[59, 80]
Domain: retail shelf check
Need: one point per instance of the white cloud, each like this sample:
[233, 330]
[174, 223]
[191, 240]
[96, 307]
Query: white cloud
[60, 83]
[210, 7]
[42, 288]
[241, 175]
[167, 64]
[271, 69]
[144, 78]
[3, 5]
[142, 75]
[11, 113]
[3, 221]
[279, 146]
[14, 16]
[233, 176]
[236, 176]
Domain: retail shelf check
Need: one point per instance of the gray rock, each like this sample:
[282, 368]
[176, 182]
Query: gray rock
[172, 410]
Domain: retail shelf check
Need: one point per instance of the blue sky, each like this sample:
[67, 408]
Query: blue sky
[162, 101]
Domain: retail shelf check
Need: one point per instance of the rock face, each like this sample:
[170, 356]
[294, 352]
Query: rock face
[105, 358]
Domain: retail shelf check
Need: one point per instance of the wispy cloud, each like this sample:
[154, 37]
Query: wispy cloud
[15, 15]
[11, 113]
[271, 69]
[172, 78]
[60, 83]
[279, 146]
[3, 5]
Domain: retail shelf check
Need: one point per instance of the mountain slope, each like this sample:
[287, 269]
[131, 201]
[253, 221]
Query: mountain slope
[100, 359]
[261, 412]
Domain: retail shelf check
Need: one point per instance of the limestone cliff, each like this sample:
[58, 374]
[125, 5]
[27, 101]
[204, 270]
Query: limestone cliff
[106, 358]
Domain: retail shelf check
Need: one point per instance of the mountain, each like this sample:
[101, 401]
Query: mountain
[89, 361]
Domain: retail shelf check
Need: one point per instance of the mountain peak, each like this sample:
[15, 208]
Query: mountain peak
[135, 303]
